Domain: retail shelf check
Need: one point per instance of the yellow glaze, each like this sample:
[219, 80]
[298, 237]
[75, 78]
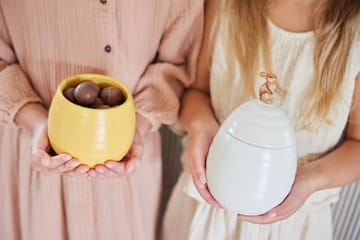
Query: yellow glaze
[91, 135]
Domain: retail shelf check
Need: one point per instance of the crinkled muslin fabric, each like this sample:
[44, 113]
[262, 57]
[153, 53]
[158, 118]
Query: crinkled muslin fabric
[151, 46]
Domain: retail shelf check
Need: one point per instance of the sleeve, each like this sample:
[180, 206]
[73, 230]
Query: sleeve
[158, 92]
[15, 88]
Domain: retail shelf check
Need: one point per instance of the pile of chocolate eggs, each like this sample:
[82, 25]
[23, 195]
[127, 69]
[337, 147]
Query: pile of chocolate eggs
[91, 95]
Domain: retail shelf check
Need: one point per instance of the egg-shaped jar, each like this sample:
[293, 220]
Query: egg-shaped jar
[252, 161]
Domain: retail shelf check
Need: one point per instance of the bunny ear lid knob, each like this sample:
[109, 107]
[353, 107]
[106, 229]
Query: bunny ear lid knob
[268, 88]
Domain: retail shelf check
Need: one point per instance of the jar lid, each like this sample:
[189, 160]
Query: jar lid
[260, 124]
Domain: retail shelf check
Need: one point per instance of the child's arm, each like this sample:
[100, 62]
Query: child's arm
[196, 114]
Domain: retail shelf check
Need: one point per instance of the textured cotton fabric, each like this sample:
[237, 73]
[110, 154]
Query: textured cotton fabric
[292, 57]
[151, 46]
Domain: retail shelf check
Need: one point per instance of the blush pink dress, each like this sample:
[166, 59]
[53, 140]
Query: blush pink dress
[151, 46]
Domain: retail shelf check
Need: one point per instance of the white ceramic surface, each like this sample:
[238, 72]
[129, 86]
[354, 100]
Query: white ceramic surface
[252, 161]
[261, 124]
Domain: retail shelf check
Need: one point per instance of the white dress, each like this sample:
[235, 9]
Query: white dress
[188, 216]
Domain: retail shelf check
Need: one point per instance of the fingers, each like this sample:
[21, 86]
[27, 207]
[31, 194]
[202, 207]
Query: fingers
[59, 163]
[119, 168]
[113, 168]
[295, 199]
[40, 139]
[116, 167]
[102, 170]
[204, 192]
[280, 212]
[126, 166]
[267, 218]
[80, 170]
[58, 160]
[198, 152]
[197, 167]
[272, 216]
[109, 169]
[93, 173]
[134, 158]
[41, 159]
[63, 164]
[123, 167]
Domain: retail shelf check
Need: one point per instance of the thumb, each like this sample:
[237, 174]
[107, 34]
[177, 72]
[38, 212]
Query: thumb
[40, 159]
[40, 141]
[198, 153]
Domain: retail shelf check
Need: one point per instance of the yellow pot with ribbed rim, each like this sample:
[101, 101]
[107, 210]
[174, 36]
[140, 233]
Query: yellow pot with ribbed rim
[91, 135]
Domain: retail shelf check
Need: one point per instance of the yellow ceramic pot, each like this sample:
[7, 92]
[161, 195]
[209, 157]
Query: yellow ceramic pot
[91, 135]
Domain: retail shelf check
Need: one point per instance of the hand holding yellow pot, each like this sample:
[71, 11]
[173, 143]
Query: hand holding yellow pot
[91, 135]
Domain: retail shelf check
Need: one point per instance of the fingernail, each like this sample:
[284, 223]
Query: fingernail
[82, 170]
[100, 170]
[74, 164]
[109, 164]
[65, 157]
[202, 180]
[45, 161]
[273, 214]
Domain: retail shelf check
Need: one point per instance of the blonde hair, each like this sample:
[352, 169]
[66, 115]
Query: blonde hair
[243, 25]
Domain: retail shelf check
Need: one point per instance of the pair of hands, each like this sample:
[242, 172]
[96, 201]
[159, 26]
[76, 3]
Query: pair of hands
[67, 165]
[198, 150]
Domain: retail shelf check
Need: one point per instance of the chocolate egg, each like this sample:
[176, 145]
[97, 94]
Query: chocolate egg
[69, 94]
[103, 106]
[86, 93]
[98, 102]
[111, 96]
